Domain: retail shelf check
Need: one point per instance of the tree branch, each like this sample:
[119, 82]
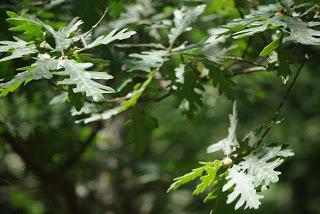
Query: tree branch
[249, 71]
[72, 160]
[57, 180]
[241, 59]
[238, 8]
[25, 156]
[284, 98]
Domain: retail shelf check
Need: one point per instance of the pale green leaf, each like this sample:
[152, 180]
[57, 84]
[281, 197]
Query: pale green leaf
[65, 36]
[241, 185]
[148, 60]
[39, 70]
[261, 165]
[300, 32]
[132, 100]
[61, 98]
[17, 49]
[230, 143]
[256, 170]
[112, 36]
[260, 20]
[83, 80]
[183, 18]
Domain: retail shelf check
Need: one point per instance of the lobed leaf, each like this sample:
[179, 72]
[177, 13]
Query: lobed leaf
[39, 70]
[183, 18]
[17, 49]
[230, 143]
[66, 35]
[112, 36]
[83, 80]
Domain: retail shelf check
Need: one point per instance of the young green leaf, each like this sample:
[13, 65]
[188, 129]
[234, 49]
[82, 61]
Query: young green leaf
[271, 47]
[208, 179]
[24, 23]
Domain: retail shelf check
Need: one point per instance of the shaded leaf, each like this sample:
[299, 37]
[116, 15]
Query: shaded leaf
[300, 32]
[139, 129]
[183, 18]
[188, 90]
[148, 60]
[39, 70]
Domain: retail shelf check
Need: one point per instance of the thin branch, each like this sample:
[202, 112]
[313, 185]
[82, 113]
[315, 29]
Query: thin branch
[118, 99]
[98, 22]
[249, 71]
[284, 98]
[238, 8]
[158, 99]
[25, 156]
[58, 180]
[241, 59]
[91, 30]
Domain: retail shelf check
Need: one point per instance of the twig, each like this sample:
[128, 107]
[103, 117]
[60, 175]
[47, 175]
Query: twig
[98, 22]
[238, 8]
[91, 30]
[118, 99]
[284, 98]
[241, 59]
[249, 71]
[146, 100]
